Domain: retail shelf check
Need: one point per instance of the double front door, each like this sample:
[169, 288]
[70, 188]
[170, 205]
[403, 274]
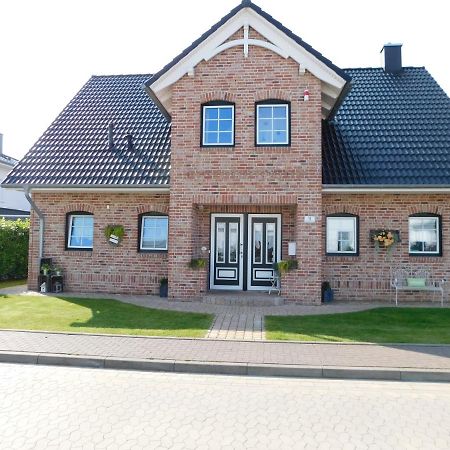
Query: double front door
[244, 248]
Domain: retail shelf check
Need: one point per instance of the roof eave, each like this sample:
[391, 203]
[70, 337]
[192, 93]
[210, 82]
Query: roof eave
[89, 187]
[388, 188]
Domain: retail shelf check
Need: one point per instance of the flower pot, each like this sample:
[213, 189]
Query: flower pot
[163, 290]
[328, 296]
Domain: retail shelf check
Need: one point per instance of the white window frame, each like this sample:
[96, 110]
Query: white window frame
[437, 252]
[354, 219]
[69, 232]
[273, 105]
[153, 249]
[217, 144]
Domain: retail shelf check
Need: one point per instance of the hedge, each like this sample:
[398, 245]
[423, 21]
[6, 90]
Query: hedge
[14, 248]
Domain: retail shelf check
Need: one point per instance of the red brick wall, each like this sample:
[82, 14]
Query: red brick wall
[106, 268]
[245, 175]
[366, 277]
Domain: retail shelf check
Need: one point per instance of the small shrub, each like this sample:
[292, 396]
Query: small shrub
[198, 263]
[14, 249]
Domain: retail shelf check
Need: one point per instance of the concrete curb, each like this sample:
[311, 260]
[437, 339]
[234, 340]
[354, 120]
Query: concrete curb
[222, 368]
[246, 341]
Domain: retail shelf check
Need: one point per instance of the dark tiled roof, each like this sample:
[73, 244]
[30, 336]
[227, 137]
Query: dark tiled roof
[390, 129]
[8, 160]
[75, 151]
[270, 19]
[13, 212]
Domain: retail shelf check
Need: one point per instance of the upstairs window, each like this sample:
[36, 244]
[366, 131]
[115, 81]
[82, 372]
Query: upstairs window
[425, 235]
[218, 124]
[154, 232]
[272, 123]
[342, 235]
[80, 231]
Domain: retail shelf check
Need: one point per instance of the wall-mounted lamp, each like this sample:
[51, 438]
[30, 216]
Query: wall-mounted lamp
[306, 95]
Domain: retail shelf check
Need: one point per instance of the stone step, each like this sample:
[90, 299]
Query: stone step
[242, 298]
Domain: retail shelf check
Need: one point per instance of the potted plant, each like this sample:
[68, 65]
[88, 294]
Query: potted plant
[163, 287]
[114, 234]
[327, 292]
[58, 271]
[286, 265]
[280, 268]
[385, 239]
[198, 263]
[46, 268]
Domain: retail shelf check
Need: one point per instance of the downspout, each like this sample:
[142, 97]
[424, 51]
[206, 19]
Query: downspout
[41, 220]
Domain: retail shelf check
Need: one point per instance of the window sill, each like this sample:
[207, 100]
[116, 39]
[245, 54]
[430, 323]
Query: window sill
[218, 146]
[342, 255]
[426, 255]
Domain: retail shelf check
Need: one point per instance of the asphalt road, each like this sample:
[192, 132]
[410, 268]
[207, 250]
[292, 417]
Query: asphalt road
[59, 408]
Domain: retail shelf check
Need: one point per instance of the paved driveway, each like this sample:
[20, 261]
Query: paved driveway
[69, 408]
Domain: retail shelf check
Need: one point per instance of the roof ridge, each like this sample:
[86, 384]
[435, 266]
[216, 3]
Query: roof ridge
[123, 75]
[374, 68]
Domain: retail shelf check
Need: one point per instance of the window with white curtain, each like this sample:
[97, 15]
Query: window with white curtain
[424, 235]
[342, 235]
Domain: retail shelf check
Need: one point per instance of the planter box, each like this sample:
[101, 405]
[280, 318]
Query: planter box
[328, 296]
[164, 290]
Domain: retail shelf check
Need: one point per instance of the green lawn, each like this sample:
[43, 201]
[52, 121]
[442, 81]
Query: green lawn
[10, 283]
[380, 325]
[97, 316]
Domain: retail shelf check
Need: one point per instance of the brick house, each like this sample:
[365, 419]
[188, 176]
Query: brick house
[248, 148]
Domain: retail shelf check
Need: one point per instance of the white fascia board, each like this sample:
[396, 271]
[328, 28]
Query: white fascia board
[387, 190]
[6, 166]
[197, 55]
[294, 50]
[248, 17]
[119, 190]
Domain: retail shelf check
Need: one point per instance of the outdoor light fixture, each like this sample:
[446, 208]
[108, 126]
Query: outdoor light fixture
[306, 95]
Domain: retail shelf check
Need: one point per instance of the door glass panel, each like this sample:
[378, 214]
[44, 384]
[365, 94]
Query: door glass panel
[233, 242]
[257, 242]
[270, 243]
[220, 236]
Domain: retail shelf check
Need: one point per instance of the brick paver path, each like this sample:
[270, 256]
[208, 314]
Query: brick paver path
[242, 326]
[209, 350]
[230, 321]
[70, 408]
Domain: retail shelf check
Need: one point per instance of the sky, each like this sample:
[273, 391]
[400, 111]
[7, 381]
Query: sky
[50, 48]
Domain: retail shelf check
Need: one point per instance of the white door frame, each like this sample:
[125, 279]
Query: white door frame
[249, 247]
[212, 256]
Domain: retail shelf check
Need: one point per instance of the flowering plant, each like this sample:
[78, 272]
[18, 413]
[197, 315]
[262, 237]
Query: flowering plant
[385, 239]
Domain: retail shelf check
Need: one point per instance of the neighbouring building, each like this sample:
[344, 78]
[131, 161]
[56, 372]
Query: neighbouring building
[13, 204]
[249, 147]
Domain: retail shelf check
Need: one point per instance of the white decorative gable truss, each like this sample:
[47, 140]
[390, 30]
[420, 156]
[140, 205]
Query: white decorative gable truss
[277, 41]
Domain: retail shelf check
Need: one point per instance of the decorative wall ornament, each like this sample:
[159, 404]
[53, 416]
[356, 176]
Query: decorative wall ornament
[385, 239]
[114, 234]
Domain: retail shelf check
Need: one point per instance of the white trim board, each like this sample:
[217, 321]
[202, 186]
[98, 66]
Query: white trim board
[149, 190]
[278, 42]
[393, 190]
